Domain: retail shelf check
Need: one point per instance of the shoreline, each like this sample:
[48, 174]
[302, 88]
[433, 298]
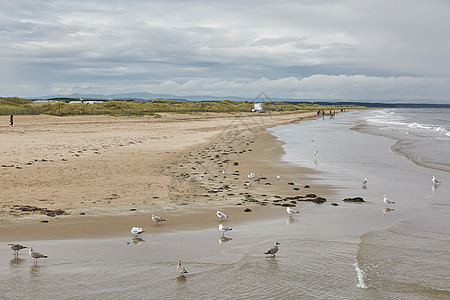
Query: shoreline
[187, 193]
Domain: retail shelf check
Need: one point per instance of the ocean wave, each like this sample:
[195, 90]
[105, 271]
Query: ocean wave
[428, 127]
[418, 125]
[408, 128]
[360, 274]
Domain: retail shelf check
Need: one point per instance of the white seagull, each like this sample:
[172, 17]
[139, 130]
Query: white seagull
[157, 219]
[35, 255]
[224, 229]
[291, 211]
[224, 172]
[16, 248]
[248, 183]
[221, 215]
[251, 175]
[136, 230]
[387, 201]
[180, 269]
[273, 250]
[364, 181]
[278, 177]
[435, 181]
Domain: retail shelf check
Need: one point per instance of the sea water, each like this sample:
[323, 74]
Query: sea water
[349, 251]
[405, 254]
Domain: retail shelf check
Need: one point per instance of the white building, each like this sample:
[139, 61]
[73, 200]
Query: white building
[257, 107]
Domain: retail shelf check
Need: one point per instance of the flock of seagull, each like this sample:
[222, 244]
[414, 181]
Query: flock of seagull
[138, 230]
[33, 254]
[180, 269]
[272, 251]
[387, 200]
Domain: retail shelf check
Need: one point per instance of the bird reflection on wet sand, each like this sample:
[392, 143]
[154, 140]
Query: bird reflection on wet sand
[224, 239]
[16, 262]
[136, 241]
[387, 209]
[434, 187]
[36, 270]
[181, 279]
[291, 220]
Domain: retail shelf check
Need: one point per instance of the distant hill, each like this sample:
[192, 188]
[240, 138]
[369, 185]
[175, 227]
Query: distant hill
[145, 96]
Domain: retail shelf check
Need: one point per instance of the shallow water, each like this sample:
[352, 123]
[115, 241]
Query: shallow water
[88, 269]
[406, 255]
[350, 251]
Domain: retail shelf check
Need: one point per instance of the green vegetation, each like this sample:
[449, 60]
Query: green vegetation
[17, 106]
[138, 108]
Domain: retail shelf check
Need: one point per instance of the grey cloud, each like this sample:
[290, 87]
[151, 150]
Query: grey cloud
[235, 47]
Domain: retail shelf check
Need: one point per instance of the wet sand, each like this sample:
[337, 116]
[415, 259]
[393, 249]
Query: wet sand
[96, 176]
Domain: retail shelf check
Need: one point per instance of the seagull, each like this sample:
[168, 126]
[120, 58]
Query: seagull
[435, 181]
[291, 211]
[364, 181]
[278, 177]
[180, 269]
[224, 229]
[387, 201]
[248, 183]
[251, 175]
[16, 248]
[258, 179]
[157, 219]
[224, 172]
[316, 153]
[221, 215]
[136, 230]
[35, 255]
[274, 250]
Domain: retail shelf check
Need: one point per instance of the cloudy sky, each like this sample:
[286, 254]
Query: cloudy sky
[309, 49]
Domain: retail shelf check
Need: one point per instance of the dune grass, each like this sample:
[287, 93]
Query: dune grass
[17, 106]
[139, 108]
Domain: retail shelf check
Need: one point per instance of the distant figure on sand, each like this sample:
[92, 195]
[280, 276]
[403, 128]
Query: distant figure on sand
[11, 120]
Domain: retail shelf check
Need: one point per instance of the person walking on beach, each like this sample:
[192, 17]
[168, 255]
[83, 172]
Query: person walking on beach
[11, 120]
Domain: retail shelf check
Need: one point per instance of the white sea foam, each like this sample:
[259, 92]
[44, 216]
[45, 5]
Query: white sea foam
[418, 125]
[391, 121]
[360, 274]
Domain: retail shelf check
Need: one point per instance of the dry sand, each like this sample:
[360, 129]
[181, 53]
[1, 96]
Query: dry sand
[91, 176]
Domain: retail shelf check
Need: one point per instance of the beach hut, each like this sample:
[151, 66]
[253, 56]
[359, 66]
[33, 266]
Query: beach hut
[257, 107]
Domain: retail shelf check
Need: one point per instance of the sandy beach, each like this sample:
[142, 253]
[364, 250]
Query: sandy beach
[73, 187]
[93, 176]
